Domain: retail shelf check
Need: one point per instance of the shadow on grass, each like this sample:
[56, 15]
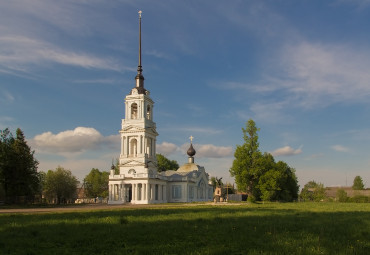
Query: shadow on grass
[188, 230]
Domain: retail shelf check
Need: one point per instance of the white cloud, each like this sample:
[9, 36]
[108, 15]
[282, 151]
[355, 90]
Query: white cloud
[72, 141]
[339, 148]
[286, 151]
[20, 53]
[209, 150]
[322, 74]
[166, 148]
[309, 75]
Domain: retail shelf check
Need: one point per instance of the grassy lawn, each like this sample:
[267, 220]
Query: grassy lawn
[272, 228]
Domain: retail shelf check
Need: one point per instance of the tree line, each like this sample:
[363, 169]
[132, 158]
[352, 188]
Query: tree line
[316, 192]
[20, 182]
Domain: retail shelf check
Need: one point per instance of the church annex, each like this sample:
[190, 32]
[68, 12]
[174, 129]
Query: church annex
[138, 181]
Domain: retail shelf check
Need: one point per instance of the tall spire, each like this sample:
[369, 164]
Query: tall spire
[139, 77]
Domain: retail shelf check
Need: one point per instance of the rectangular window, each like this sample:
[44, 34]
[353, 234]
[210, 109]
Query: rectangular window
[176, 191]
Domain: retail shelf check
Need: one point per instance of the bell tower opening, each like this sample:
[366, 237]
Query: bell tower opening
[134, 111]
[133, 148]
[148, 113]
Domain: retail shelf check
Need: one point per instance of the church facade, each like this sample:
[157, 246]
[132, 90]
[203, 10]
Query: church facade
[138, 181]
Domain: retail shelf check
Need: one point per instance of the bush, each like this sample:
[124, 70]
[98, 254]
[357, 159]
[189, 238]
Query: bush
[251, 199]
[360, 199]
[341, 195]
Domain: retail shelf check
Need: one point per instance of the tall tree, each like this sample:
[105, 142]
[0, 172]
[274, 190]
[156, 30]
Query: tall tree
[164, 163]
[245, 167]
[358, 183]
[18, 167]
[60, 185]
[96, 183]
[258, 174]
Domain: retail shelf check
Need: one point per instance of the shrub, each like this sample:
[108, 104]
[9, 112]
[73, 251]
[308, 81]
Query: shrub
[360, 199]
[251, 199]
[341, 195]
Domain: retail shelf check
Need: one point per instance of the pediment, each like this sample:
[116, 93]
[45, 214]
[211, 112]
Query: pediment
[132, 128]
[132, 163]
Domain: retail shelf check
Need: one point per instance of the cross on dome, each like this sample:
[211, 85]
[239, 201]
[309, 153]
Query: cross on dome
[191, 139]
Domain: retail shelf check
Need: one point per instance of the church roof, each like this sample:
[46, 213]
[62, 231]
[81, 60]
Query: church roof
[188, 167]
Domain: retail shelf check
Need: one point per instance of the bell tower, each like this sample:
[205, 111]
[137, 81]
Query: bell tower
[138, 132]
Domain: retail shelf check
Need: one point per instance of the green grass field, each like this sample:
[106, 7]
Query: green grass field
[273, 228]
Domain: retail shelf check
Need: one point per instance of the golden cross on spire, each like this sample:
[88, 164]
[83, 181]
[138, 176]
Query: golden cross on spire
[191, 139]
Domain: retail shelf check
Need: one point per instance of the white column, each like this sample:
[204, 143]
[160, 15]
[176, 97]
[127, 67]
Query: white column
[126, 111]
[151, 191]
[110, 193]
[127, 145]
[122, 145]
[148, 192]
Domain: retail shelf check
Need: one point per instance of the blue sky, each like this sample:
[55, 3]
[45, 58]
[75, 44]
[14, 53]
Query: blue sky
[299, 69]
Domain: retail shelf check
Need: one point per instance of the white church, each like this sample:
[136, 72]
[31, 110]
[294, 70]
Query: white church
[138, 181]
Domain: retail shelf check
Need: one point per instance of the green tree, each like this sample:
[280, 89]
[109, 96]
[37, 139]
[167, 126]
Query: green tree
[358, 183]
[258, 174]
[164, 163]
[18, 167]
[245, 167]
[60, 185]
[96, 183]
[279, 182]
[313, 191]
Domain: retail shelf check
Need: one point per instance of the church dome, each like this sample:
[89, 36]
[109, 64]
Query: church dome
[191, 152]
[188, 167]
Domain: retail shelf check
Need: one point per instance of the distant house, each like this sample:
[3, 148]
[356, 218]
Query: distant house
[332, 192]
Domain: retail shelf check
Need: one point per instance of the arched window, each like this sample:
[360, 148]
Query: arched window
[133, 147]
[148, 112]
[134, 111]
[132, 171]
